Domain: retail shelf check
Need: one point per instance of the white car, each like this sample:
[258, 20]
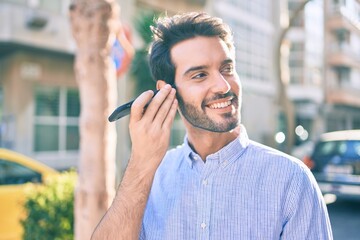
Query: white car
[335, 163]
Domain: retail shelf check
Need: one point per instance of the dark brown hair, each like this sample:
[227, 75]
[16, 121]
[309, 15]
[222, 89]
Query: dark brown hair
[172, 30]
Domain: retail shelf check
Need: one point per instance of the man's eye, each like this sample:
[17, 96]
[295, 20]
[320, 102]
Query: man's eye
[228, 69]
[199, 75]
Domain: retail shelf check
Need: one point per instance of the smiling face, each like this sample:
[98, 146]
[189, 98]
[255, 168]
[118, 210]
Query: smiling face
[208, 87]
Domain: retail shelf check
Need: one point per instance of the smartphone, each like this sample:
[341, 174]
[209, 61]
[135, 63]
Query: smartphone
[124, 110]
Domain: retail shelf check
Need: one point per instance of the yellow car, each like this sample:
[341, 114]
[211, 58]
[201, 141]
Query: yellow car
[16, 171]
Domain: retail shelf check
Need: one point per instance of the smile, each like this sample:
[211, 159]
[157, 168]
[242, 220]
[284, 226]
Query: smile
[220, 105]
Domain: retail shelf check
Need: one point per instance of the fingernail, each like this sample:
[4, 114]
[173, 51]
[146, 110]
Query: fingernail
[167, 86]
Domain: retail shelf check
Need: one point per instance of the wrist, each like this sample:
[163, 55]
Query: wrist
[144, 163]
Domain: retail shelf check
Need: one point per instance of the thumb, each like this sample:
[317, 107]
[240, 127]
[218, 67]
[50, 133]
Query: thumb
[137, 108]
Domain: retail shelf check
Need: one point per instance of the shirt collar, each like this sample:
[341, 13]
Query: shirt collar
[228, 153]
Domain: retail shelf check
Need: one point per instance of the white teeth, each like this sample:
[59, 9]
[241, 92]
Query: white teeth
[220, 105]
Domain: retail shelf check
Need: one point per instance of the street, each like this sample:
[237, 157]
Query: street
[345, 219]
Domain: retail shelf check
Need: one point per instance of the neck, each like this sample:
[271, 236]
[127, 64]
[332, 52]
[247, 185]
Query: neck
[205, 143]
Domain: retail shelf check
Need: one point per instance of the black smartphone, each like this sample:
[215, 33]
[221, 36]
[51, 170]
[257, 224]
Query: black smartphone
[124, 110]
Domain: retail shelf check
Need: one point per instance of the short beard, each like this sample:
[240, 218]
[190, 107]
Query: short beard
[200, 119]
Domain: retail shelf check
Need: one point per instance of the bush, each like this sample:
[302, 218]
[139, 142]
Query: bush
[50, 209]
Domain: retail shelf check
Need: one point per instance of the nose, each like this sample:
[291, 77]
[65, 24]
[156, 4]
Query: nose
[220, 84]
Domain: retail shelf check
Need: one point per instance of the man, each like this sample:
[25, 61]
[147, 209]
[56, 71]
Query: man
[218, 184]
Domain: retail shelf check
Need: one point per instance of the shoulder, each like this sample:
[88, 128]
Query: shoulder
[172, 159]
[273, 156]
[278, 163]
[292, 174]
[296, 177]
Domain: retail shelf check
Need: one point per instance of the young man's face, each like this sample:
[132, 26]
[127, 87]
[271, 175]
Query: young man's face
[208, 87]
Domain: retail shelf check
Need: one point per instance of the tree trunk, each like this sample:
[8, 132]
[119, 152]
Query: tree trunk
[286, 105]
[94, 25]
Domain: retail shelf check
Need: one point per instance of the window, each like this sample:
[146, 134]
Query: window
[51, 6]
[342, 75]
[1, 106]
[349, 149]
[17, 1]
[298, 21]
[252, 52]
[292, 6]
[296, 75]
[295, 62]
[335, 123]
[56, 120]
[342, 36]
[14, 173]
[356, 123]
[54, 6]
[297, 47]
[339, 2]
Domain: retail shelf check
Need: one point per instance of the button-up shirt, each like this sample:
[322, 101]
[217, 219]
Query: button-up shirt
[244, 191]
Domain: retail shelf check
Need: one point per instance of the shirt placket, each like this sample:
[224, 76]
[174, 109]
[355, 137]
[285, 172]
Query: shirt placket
[204, 204]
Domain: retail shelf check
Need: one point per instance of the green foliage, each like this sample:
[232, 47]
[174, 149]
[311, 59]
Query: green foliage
[140, 65]
[140, 70]
[50, 209]
[142, 24]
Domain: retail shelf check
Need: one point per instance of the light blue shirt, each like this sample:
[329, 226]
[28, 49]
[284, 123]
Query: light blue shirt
[244, 191]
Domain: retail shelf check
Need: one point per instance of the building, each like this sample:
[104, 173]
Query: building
[39, 103]
[39, 106]
[342, 64]
[255, 25]
[323, 65]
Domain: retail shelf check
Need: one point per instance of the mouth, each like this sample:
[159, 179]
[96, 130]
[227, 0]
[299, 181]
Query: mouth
[220, 104]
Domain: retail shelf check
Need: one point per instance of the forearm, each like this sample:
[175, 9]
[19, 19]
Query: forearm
[124, 217]
[150, 135]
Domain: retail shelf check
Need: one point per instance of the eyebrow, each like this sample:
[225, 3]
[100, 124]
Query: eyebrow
[226, 61]
[196, 68]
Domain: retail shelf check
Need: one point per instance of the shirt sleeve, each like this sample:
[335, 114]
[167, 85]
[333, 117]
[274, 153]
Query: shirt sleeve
[305, 212]
[142, 233]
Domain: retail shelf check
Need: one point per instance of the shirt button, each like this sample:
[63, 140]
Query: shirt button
[195, 157]
[203, 225]
[204, 182]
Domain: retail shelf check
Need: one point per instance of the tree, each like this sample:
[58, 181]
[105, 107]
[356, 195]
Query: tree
[95, 25]
[140, 69]
[286, 105]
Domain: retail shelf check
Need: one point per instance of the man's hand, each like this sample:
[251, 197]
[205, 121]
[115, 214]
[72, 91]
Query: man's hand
[150, 129]
[150, 135]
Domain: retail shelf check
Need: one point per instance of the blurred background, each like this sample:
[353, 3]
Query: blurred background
[39, 98]
[298, 61]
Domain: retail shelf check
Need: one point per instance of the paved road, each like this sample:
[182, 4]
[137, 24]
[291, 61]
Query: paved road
[345, 219]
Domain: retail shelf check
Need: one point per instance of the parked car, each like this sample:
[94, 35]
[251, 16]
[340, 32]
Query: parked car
[16, 171]
[335, 162]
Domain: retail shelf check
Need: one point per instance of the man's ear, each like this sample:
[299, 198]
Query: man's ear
[160, 84]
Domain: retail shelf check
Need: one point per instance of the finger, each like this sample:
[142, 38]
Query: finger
[171, 115]
[165, 107]
[137, 108]
[157, 101]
